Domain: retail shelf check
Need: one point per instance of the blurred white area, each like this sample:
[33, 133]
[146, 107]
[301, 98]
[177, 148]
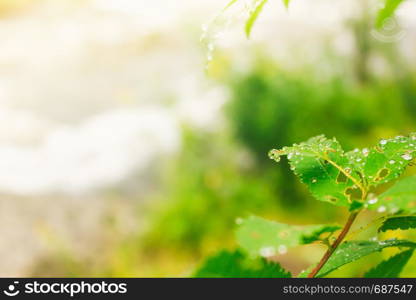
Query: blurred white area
[84, 88]
[99, 151]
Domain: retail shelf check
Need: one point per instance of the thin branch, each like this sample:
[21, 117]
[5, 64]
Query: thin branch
[334, 246]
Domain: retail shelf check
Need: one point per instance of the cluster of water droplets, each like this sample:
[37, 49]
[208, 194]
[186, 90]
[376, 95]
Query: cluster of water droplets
[357, 157]
[213, 31]
[216, 28]
[387, 242]
[270, 251]
[311, 148]
[409, 147]
[275, 154]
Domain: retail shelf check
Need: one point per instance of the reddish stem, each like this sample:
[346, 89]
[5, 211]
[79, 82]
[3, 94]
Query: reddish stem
[334, 246]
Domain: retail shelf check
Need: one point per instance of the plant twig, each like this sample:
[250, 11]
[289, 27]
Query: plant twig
[334, 246]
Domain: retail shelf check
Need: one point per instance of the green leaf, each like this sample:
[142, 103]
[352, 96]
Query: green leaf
[253, 15]
[353, 250]
[339, 178]
[388, 160]
[391, 267]
[227, 264]
[400, 197]
[322, 166]
[385, 162]
[260, 237]
[387, 11]
[402, 222]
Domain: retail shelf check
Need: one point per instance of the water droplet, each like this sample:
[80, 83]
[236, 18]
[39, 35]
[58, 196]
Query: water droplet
[267, 251]
[407, 156]
[290, 155]
[314, 180]
[372, 201]
[394, 210]
[392, 162]
[274, 154]
[282, 249]
[239, 221]
[365, 151]
[383, 142]
[381, 209]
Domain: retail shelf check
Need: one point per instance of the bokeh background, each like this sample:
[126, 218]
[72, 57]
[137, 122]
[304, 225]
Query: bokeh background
[134, 133]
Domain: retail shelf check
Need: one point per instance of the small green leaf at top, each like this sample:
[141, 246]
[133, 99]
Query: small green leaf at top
[226, 264]
[387, 11]
[399, 222]
[229, 4]
[255, 10]
[261, 237]
[286, 3]
[351, 251]
[392, 267]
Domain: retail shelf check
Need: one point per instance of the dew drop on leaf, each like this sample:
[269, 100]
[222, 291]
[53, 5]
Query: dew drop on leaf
[273, 154]
[407, 156]
[381, 209]
[267, 251]
[282, 249]
[372, 201]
